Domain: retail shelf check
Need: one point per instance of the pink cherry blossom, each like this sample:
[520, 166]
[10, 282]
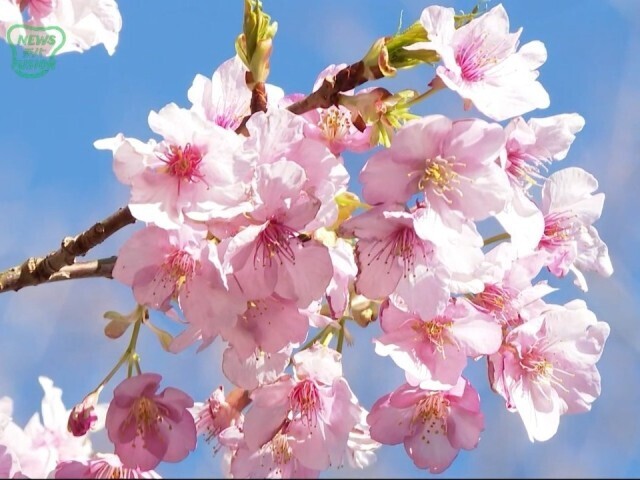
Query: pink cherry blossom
[268, 324]
[156, 263]
[147, 427]
[101, 465]
[270, 256]
[433, 350]
[42, 443]
[216, 414]
[570, 208]
[333, 126]
[433, 425]
[393, 244]
[508, 294]
[257, 369]
[453, 163]
[533, 145]
[315, 410]
[224, 99]
[198, 170]
[481, 62]
[274, 459]
[547, 367]
[530, 147]
[277, 135]
[86, 23]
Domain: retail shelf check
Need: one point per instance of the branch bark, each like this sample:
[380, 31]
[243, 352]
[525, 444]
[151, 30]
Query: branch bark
[37, 270]
[101, 268]
[329, 92]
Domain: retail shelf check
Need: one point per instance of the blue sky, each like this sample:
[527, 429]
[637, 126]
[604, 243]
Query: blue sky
[54, 183]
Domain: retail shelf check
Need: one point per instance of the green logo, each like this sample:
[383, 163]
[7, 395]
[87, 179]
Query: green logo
[39, 48]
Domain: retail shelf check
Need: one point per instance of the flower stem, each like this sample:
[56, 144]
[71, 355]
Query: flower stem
[129, 353]
[341, 336]
[421, 97]
[321, 334]
[497, 238]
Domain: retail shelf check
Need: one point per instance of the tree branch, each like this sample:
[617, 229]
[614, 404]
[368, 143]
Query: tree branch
[102, 267]
[328, 94]
[37, 270]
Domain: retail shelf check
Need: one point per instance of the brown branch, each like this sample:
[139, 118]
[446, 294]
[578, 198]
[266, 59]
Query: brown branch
[37, 270]
[329, 92]
[258, 104]
[327, 95]
[91, 269]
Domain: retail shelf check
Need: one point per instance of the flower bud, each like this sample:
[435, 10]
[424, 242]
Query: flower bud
[82, 416]
[384, 111]
[254, 44]
[363, 310]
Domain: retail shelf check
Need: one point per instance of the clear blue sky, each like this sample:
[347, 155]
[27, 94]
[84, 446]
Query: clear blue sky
[54, 183]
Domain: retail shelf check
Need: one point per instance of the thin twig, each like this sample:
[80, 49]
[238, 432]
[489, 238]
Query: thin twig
[37, 270]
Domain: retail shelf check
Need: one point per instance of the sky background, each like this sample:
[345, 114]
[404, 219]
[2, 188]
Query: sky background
[53, 183]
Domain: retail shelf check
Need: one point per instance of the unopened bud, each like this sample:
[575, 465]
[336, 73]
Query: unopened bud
[363, 310]
[82, 416]
[254, 44]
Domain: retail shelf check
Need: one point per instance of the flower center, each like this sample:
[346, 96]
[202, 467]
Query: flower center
[498, 302]
[180, 266]
[334, 123]
[433, 410]
[476, 56]
[559, 230]
[146, 414]
[524, 168]
[439, 176]
[280, 449]
[435, 331]
[402, 244]
[183, 163]
[275, 242]
[304, 399]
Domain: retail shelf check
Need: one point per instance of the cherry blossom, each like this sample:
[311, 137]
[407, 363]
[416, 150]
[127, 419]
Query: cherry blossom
[44, 440]
[453, 163]
[156, 263]
[270, 256]
[175, 178]
[224, 98]
[481, 61]
[147, 427]
[570, 208]
[433, 425]
[547, 367]
[433, 350]
[314, 411]
[508, 293]
[531, 147]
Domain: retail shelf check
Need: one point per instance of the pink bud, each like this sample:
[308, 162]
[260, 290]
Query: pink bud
[82, 416]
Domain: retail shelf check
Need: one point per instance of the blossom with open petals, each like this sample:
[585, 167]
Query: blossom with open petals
[481, 62]
[147, 427]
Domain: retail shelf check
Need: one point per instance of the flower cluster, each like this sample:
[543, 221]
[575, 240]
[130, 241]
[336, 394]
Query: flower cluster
[250, 235]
